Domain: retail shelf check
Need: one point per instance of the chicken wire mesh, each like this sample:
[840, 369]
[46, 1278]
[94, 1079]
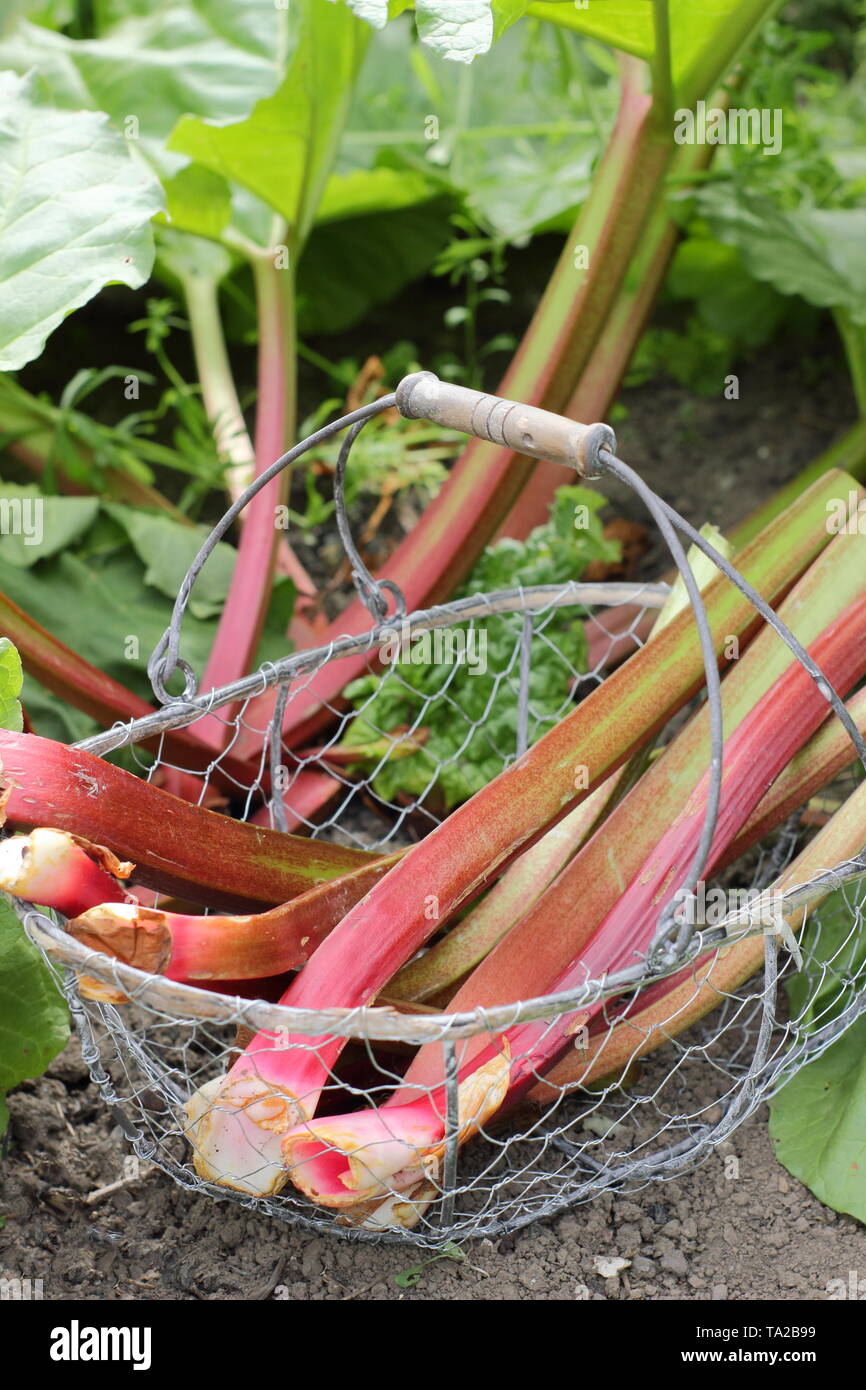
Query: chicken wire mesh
[646, 1101]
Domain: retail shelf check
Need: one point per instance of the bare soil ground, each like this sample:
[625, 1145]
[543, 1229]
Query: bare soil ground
[706, 1236]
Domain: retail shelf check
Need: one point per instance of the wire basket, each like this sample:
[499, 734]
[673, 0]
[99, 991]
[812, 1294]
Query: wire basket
[563, 1145]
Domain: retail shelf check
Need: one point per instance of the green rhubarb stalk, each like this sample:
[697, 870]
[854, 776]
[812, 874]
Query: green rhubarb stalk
[179, 849]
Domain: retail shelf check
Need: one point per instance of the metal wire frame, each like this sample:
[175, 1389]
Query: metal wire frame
[674, 945]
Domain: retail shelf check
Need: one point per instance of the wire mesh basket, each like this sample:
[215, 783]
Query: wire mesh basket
[648, 1101]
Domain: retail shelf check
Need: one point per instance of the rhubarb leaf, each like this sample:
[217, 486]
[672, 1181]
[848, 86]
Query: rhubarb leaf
[818, 1120]
[284, 151]
[152, 63]
[167, 549]
[814, 252]
[11, 678]
[34, 1024]
[704, 40]
[42, 526]
[463, 29]
[350, 265]
[519, 157]
[818, 1124]
[76, 215]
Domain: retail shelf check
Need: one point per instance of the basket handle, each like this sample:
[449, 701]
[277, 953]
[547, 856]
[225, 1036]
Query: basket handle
[524, 428]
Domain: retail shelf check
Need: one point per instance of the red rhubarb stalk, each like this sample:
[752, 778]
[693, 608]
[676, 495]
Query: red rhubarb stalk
[269, 1089]
[668, 1007]
[62, 871]
[65, 673]
[484, 483]
[253, 947]
[318, 1151]
[177, 848]
[554, 930]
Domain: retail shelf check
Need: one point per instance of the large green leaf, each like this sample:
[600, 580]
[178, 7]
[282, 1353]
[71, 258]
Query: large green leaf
[818, 1120]
[34, 1022]
[283, 153]
[818, 1124]
[11, 679]
[518, 154]
[155, 62]
[167, 549]
[75, 210]
[813, 252]
[110, 615]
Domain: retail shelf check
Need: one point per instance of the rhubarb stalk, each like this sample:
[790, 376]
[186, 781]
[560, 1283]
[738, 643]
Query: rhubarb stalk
[269, 1089]
[335, 1157]
[179, 849]
[61, 871]
[193, 948]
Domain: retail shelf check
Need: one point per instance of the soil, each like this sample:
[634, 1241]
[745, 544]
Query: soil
[709, 1235]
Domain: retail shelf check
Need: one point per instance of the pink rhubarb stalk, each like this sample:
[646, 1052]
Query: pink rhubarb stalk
[61, 871]
[65, 673]
[668, 1007]
[270, 1088]
[484, 483]
[253, 947]
[560, 923]
[348, 1154]
[178, 849]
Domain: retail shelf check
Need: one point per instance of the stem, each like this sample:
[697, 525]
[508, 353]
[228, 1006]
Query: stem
[601, 377]
[243, 616]
[853, 337]
[217, 382]
[555, 350]
[663, 87]
[178, 849]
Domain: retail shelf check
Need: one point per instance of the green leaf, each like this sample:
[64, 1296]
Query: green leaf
[818, 1124]
[814, 252]
[464, 29]
[76, 215]
[35, 527]
[157, 61]
[198, 201]
[704, 39]
[167, 549]
[519, 153]
[34, 1022]
[373, 190]
[283, 153]
[11, 679]
[349, 266]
